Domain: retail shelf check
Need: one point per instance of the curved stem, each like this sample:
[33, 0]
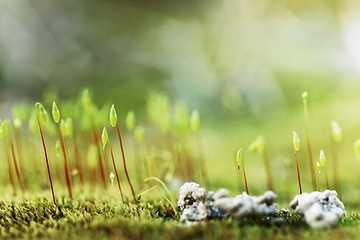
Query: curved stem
[162, 184]
[298, 172]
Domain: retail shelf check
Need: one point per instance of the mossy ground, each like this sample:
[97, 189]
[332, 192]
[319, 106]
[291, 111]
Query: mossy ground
[105, 217]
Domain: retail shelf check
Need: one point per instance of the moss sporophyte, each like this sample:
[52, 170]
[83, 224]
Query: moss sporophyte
[105, 140]
[258, 145]
[114, 123]
[336, 138]
[41, 115]
[240, 163]
[311, 162]
[296, 143]
[61, 125]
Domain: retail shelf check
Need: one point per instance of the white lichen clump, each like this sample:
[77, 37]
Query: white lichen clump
[191, 202]
[319, 209]
[197, 204]
[244, 205]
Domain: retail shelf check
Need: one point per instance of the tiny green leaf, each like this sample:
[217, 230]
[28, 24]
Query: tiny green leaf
[239, 158]
[130, 120]
[113, 116]
[336, 132]
[104, 137]
[55, 113]
[58, 148]
[195, 121]
[296, 142]
[42, 112]
[322, 158]
[357, 148]
[318, 167]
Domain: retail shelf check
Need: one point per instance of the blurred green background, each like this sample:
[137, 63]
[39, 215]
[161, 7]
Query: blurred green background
[242, 64]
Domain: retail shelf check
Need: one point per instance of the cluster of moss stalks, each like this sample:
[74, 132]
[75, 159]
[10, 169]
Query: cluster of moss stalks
[73, 152]
[74, 149]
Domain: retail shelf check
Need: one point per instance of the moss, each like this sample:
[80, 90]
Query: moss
[92, 219]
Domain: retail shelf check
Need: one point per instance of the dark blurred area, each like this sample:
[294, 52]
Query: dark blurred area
[219, 56]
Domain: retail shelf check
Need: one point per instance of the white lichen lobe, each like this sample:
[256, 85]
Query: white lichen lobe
[319, 209]
[197, 204]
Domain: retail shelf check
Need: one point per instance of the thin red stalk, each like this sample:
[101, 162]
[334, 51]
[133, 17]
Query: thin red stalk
[311, 162]
[336, 168]
[124, 161]
[326, 178]
[77, 160]
[18, 175]
[189, 164]
[19, 150]
[102, 171]
[245, 181]
[312, 169]
[298, 172]
[46, 159]
[66, 167]
[267, 170]
[11, 178]
[93, 179]
[116, 173]
[138, 169]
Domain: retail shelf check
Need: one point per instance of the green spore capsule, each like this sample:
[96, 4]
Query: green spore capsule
[258, 145]
[104, 137]
[42, 112]
[68, 128]
[304, 96]
[296, 141]
[139, 133]
[17, 123]
[239, 158]
[4, 129]
[336, 131]
[113, 116]
[322, 158]
[318, 167]
[55, 113]
[130, 120]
